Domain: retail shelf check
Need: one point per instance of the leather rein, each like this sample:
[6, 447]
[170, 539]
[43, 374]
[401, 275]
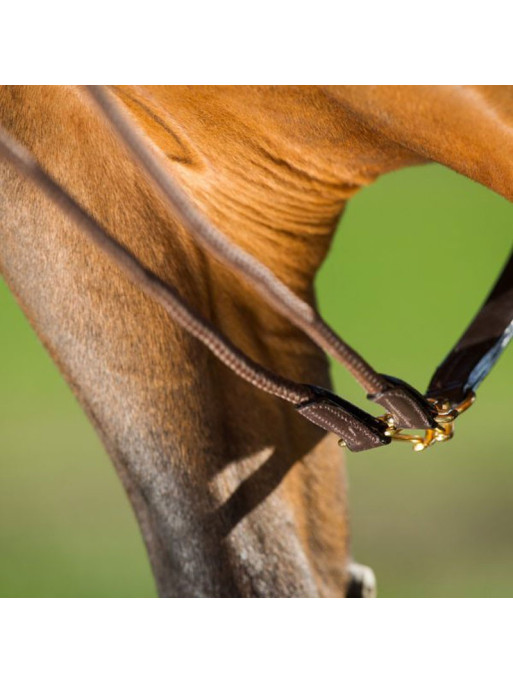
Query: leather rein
[452, 387]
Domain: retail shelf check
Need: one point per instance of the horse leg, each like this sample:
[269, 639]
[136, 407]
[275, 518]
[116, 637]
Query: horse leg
[235, 495]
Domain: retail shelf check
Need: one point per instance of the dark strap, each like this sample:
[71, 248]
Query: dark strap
[480, 346]
[409, 407]
[356, 428]
[462, 371]
[406, 404]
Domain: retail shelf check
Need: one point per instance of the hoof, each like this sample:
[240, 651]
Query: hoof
[362, 582]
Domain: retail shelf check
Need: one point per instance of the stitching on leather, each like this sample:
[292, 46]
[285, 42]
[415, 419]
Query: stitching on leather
[324, 419]
[408, 400]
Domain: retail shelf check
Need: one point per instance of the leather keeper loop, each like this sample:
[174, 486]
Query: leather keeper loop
[407, 406]
[358, 429]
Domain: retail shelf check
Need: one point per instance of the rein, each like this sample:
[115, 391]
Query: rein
[450, 392]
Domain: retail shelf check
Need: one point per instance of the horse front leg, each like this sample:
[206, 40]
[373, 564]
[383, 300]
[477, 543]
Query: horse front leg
[235, 496]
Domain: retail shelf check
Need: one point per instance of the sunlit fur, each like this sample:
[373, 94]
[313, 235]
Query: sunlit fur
[234, 493]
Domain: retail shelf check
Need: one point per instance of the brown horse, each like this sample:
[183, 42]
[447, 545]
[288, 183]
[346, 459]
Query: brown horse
[235, 494]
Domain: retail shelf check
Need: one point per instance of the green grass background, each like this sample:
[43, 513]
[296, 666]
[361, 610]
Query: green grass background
[413, 258]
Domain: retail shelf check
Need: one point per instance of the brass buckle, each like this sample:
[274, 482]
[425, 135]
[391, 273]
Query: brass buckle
[445, 417]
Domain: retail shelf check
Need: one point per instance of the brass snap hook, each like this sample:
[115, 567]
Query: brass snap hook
[445, 417]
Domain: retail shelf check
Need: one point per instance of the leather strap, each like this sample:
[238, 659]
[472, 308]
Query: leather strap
[358, 429]
[407, 405]
[462, 371]
[480, 346]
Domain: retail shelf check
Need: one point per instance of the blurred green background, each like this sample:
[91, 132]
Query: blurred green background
[414, 257]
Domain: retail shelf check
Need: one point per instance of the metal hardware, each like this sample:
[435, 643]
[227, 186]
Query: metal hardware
[445, 417]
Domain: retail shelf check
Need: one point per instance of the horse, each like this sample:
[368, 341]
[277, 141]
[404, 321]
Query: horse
[235, 494]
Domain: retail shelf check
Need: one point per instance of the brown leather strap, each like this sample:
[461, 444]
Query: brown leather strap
[462, 371]
[360, 430]
[356, 428]
[409, 407]
[398, 402]
[480, 346]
